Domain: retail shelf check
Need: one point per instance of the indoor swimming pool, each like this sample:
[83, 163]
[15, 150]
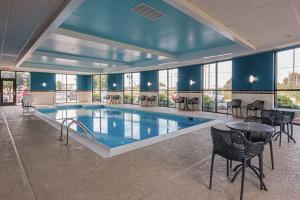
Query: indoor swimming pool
[114, 126]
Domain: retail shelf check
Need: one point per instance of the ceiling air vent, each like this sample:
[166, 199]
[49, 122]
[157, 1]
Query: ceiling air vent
[148, 12]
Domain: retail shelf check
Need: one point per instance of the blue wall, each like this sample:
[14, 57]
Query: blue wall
[260, 65]
[149, 76]
[84, 82]
[185, 74]
[115, 78]
[37, 79]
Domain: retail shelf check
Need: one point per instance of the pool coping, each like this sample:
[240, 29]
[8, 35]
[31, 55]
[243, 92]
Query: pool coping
[107, 152]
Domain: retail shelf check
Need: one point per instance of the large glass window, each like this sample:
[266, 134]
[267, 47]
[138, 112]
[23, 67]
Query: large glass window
[288, 79]
[131, 88]
[99, 87]
[167, 87]
[66, 88]
[23, 85]
[217, 86]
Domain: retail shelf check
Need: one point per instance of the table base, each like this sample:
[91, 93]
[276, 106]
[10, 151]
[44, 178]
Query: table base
[238, 169]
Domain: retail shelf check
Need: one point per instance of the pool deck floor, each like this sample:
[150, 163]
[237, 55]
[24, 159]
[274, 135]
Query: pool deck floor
[176, 169]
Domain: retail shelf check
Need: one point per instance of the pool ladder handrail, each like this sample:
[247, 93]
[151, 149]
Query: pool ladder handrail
[78, 123]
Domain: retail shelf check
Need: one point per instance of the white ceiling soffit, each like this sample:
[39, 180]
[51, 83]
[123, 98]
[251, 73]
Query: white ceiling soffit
[61, 68]
[97, 42]
[89, 61]
[202, 16]
[19, 22]
[55, 23]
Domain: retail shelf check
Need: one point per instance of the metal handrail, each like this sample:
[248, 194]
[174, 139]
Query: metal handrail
[78, 123]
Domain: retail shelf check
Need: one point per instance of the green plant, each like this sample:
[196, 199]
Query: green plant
[284, 100]
[209, 103]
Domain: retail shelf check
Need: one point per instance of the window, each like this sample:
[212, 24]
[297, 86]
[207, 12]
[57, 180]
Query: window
[8, 74]
[217, 86]
[288, 79]
[103, 86]
[23, 85]
[167, 87]
[96, 88]
[131, 88]
[66, 88]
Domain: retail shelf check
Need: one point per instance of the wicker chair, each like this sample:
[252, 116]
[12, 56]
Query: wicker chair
[115, 99]
[151, 100]
[194, 101]
[234, 146]
[282, 119]
[256, 106]
[107, 99]
[266, 138]
[235, 103]
[291, 116]
[143, 100]
[180, 101]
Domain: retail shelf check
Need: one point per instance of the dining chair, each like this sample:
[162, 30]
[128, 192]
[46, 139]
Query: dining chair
[234, 146]
[235, 104]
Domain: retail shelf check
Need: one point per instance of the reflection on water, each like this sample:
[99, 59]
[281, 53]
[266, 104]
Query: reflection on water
[115, 127]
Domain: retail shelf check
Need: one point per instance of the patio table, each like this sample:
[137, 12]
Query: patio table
[247, 128]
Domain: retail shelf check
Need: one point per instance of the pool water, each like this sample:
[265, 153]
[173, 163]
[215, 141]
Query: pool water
[114, 126]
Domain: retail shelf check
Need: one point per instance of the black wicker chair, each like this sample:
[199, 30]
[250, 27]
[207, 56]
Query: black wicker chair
[180, 101]
[234, 146]
[107, 99]
[115, 99]
[151, 100]
[282, 119]
[266, 138]
[194, 102]
[256, 106]
[291, 116]
[235, 104]
[143, 100]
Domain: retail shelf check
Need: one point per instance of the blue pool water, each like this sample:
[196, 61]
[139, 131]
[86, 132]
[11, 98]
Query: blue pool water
[114, 127]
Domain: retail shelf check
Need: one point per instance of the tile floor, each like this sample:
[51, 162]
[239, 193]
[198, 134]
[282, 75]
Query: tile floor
[177, 169]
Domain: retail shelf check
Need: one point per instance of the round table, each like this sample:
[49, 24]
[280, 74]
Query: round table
[248, 128]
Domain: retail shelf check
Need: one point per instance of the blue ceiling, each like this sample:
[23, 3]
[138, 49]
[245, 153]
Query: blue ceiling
[175, 33]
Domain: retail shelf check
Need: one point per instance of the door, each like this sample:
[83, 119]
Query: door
[8, 92]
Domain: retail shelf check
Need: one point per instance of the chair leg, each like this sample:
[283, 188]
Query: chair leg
[271, 152]
[243, 180]
[260, 156]
[288, 131]
[211, 170]
[227, 167]
[241, 112]
[292, 130]
[280, 132]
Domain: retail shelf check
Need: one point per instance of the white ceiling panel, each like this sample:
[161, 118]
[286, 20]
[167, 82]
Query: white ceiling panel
[263, 22]
[261, 3]
[235, 12]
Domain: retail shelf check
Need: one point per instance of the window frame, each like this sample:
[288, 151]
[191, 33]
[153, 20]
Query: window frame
[131, 89]
[276, 75]
[216, 90]
[167, 90]
[100, 90]
[66, 90]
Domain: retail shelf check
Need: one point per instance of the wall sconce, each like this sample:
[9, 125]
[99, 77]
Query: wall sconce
[192, 82]
[44, 84]
[114, 124]
[114, 85]
[149, 84]
[252, 78]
